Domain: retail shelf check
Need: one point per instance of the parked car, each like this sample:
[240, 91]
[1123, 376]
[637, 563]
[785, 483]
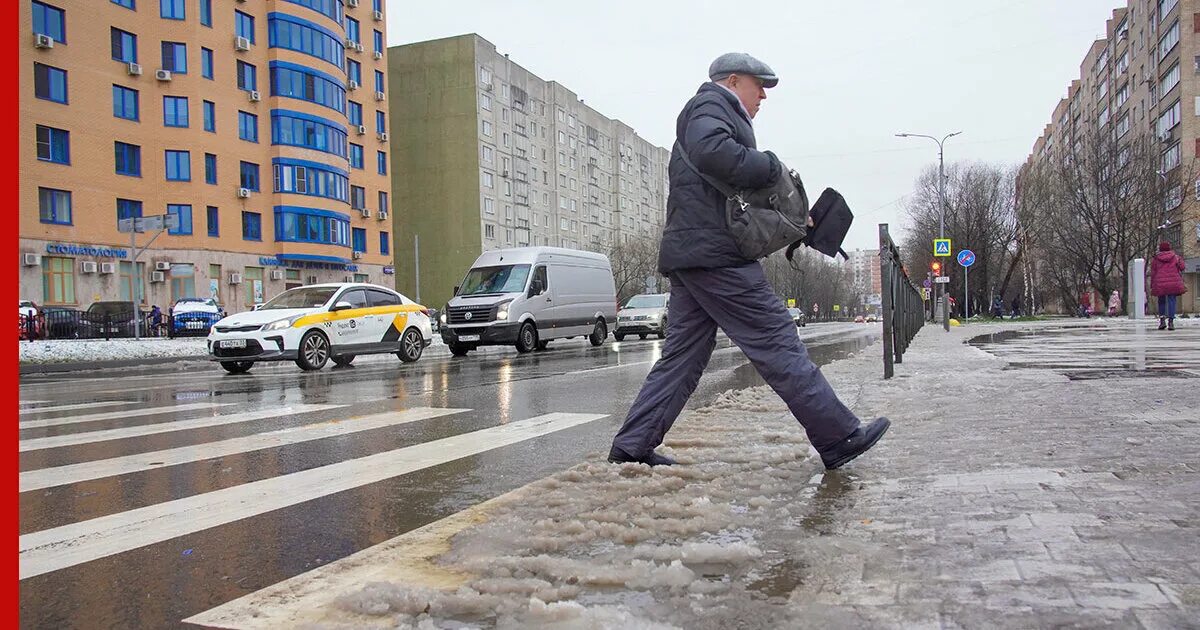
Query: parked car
[859, 319]
[528, 296]
[798, 317]
[871, 319]
[643, 315]
[108, 319]
[194, 316]
[314, 324]
[61, 322]
[29, 321]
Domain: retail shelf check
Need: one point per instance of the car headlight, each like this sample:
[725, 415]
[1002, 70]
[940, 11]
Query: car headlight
[282, 324]
[502, 315]
[442, 318]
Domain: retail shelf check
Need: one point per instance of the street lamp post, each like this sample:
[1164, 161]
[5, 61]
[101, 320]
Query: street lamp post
[942, 294]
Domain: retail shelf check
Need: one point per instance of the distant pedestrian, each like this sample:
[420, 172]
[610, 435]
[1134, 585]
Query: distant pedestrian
[1085, 304]
[998, 307]
[155, 319]
[1114, 303]
[1016, 307]
[1166, 283]
[713, 286]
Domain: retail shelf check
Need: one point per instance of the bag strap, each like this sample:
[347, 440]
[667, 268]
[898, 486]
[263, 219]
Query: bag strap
[721, 187]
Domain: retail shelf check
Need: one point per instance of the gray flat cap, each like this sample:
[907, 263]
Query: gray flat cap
[742, 63]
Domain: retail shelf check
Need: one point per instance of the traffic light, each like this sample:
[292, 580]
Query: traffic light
[936, 267]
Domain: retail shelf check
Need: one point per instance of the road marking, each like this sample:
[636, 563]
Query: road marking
[69, 545]
[116, 415]
[91, 405]
[72, 439]
[74, 473]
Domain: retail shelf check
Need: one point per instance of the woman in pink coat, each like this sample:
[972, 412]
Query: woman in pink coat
[1166, 283]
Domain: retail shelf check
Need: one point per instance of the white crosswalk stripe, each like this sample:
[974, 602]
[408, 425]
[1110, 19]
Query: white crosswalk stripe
[91, 405]
[116, 415]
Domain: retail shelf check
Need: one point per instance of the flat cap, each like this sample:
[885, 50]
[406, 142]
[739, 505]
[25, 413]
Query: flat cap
[742, 63]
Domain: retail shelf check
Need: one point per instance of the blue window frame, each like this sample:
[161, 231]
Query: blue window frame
[174, 57]
[378, 81]
[356, 156]
[210, 116]
[378, 42]
[251, 226]
[210, 168]
[175, 111]
[377, 5]
[311, 225]
[331, 9]
[358, 197]
[125, 102]
[172, 9]
[50, 20]
[300, 82]
[247, 76]
[206, 63]
[179, 165]
[206, 13]
[214, 221]
[354, 71]
[249, 174]
[244, 25]
[53, 145]
[128, 4]
[293, 33]
[380, 121]
[355, 114]
[353, 32]
[248, 126]
[50, 83]
[54, 206]
[383, 202]
[315, 179]
[385, 243]
[185, 218]
[298, 129]
[128, 209]
[381, 162]
[128, 159]
[359, 243]
[124, 46]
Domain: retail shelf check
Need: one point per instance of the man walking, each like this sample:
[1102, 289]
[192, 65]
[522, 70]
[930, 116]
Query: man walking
[713, 286]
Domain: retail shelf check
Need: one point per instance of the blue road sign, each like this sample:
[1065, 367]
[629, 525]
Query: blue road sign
[966, 258]
[928, 283]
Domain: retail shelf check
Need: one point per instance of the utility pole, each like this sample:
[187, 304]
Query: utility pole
[943, 295]
[156, 223]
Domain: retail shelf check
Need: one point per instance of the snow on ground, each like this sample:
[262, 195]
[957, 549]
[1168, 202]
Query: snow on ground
[89, 350]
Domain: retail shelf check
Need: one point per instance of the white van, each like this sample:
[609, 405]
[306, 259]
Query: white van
[528, 296]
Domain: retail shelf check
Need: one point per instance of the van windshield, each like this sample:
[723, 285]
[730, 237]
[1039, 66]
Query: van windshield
[494, 280]
[647, 301]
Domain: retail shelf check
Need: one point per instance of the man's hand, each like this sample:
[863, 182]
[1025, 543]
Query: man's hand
[811, 223]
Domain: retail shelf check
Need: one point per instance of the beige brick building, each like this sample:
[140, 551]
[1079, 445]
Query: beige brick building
[262, 125]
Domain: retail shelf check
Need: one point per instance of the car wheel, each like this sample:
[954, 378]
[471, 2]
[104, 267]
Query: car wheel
[599, 333]
[458, 350]
[237, 367]
[343, 360]
[642, 336]
[619, 336]
[411, 346]
[662, 329]
[314, 351]
[527, 338]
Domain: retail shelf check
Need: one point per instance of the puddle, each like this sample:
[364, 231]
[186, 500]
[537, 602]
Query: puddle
[1093, 352]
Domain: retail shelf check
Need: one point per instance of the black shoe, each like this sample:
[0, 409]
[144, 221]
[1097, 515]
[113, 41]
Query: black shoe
[1162, 323]
[618, 456]
[1171, 324]
[858, 443]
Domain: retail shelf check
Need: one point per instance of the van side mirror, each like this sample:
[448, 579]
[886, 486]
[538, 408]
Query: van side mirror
[341, 306]
[456, 288]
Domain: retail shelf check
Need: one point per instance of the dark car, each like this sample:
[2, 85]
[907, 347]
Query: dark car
[108, 319]
[62, 322]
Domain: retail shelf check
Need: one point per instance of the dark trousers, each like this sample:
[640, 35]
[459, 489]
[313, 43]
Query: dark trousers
[740, 301]
[1166, 306]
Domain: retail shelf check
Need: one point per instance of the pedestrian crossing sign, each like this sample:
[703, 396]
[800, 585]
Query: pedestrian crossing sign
[941, 247]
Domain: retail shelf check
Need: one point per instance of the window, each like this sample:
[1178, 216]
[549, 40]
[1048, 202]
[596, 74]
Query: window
[310, 178]
[251, 226]
[331, 9]
[1170, 157]
[356, 156]
[489, 206]
[247, 76]
[378, 81]
[58, 280]
[210, 116]
[175, 111]
[353, 32]
[358, 197]
[300, 35]
[485, 76]
[380, 122]
[383, 202]
[174, 57]
[1164, 9]
[1168, 81]
[184, 211]
[489, 231]
[485, 101]
[179, 166]
[384, 243]
[305, 130]
[248, 126]
[206, 13]
[354, 71]
[377, 5]
[128, 4]
[1168, 41]
[50, 21]
[54, 206]
[488, 180]
[249, 176]
[172, 9]
[125, 102]
[562, 224]
[381, 162]
[1122, 95]
[124, 46]
[1174, 198]
[488, 154]
[1101, 120]
[53, 145]
[1123, 126]
[359, 242]
[379, 47]
[355, 113]
[243, 25]
[300, 82]
[128, 209]
[210, 168]
[206, 63]
[214, 220]
[487, 128]
[128, 159]
[1168, 119]
[1103, 89]
[50, 83]
[310, 225]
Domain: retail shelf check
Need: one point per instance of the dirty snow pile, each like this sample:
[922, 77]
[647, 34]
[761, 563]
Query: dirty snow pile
[602, 545]
[88, 350]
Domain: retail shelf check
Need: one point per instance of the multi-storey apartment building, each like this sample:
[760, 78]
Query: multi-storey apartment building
[488, 155]
[261, 125]
[1143, 79]
[868, 281]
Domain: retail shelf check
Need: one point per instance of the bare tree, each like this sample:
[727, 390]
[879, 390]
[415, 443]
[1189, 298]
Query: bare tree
[633, 261]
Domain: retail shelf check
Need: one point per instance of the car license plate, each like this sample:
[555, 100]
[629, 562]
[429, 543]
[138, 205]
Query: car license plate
[195, 324]
[468, 338]
[233, 343]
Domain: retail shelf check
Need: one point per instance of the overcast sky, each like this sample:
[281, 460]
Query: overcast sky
[852, 74]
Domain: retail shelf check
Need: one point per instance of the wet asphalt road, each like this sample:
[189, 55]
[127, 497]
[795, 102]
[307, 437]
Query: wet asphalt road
[123, 455]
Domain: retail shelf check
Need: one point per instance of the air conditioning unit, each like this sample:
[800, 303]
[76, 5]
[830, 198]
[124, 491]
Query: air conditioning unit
[158, 276]
[383, 136]
[378, 15]
[277, 274]
[162, 75]
[42, 41]
[108, 267]
[379, 96]
[356, 255]
[347, 278]
[366, 212]
[378, 55]
[353, 85]
[162, 266]
[358, 47]
[503, 173]
[31, 260]
[383, 215]
[243, 193]
[133, 69]
[353, 4]
[255, 96]
[350, 43]
[362, 130]
[235, 278]
[87, 266]
[241, 43]
[487, 87]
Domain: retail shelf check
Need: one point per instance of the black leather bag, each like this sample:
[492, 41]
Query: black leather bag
[831, 222]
